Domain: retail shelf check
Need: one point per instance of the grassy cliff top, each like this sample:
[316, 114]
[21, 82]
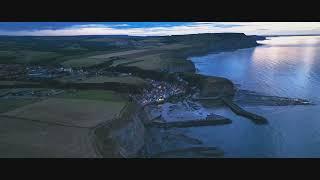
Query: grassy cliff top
[91, 50]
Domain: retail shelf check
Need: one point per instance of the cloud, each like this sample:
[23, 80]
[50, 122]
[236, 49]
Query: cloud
[219, 24]
[250, 28]
[98, 26]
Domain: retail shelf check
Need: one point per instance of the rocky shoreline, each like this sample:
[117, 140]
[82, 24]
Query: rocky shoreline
[161, 136]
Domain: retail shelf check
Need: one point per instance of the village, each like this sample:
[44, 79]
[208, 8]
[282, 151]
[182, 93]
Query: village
[15, 72]
[158, 91]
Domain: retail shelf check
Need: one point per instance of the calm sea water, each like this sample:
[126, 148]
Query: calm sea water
[282, 66]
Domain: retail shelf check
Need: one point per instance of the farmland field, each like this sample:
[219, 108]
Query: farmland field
[16, 82]
[70, 112]
[26, 139]
[128, 54]
[11, 104]
[125, 79]
[99, 95]
[97, 59]
[25, 57]
[150, 62]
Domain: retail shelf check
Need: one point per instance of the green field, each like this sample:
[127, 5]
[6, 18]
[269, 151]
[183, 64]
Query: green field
[99, 95]
[150, 62]
[26, 57]
[125, 79]
[11, 104]
[31, 139]
[98, 59]
[56, 127]
[16, 82]
[70, 112]
[159, 62]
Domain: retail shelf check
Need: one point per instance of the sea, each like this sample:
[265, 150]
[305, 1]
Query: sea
[286, 66]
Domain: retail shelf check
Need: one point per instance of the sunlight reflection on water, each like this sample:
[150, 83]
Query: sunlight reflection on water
[282, 66]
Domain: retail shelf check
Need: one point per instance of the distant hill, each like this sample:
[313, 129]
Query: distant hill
[292, 35]
[56, 49]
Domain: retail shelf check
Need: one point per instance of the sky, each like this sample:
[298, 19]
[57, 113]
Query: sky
[155, 28]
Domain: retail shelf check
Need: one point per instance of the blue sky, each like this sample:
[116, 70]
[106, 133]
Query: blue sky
[155, 28]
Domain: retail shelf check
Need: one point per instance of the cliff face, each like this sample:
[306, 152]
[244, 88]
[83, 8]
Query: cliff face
[210, 86]
[201, 44]
[124, 137]
[216, 86]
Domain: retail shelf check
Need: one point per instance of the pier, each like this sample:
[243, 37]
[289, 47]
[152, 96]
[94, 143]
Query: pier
[217, 120]
[239, 111]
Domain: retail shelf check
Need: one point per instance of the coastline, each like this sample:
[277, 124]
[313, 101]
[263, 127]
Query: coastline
[160, 89]
[209, 86]
[142, 100]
